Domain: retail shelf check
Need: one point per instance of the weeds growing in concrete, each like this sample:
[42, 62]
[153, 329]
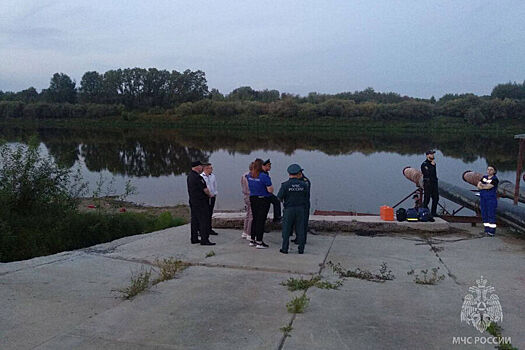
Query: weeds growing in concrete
[167, 269]
[297, 304]
[286, 330]
[426, 278]
[210, 254]
[384, 273]
[294, 284]
[139, 283]
[495, 330]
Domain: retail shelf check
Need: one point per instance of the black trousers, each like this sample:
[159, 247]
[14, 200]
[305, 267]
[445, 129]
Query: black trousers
[276, 206]
[200, 220]
[260, 207]
[430, 190]
[212, 205]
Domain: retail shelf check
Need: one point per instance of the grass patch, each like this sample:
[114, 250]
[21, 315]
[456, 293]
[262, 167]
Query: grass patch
[165, 220]
[297, 304]
[384, 273]
[495, 330]
[294, 284]
[168, 268]
[286, 330]
[139, 282]
[427, 278]
[210, 254]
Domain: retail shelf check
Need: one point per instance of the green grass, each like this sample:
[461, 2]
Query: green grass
[427, 278]
[243, 122]
[26, 238]
[139, 282]
[384, 273]
[294, 284]
[168, 268]
[496, 331]
[298, 304]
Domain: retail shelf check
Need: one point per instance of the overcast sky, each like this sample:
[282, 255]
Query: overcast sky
[414, 47]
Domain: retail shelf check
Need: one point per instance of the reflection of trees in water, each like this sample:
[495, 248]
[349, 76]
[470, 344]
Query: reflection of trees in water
[154, 152]
[140, 158]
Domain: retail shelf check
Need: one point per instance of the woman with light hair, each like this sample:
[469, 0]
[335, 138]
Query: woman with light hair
[247, 229]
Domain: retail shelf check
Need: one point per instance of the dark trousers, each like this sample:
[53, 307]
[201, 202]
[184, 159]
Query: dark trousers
[294, 216]
[212, 205]
[430, 190]
[488, 213]
[200, 220]
[260, 207]
[306, 220]
[276, 206]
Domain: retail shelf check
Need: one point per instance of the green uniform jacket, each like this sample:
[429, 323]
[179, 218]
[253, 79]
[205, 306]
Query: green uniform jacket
[294, 193]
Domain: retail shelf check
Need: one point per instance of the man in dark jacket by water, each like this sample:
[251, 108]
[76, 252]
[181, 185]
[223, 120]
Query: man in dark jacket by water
[430, 182]
[199, 205]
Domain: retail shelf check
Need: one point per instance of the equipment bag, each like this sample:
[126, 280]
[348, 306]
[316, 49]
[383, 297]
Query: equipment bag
[424, 214]
[412, 215]
[401, 214]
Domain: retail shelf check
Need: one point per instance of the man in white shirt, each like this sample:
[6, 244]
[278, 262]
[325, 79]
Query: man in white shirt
[211, 183]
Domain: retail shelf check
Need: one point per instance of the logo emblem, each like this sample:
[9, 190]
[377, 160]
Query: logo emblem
[481, 308]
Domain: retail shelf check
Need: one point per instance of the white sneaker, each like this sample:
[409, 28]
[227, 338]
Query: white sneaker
[252, 244]
[261, 245]
[244, 235]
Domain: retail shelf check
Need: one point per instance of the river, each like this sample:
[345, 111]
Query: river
[356, 172]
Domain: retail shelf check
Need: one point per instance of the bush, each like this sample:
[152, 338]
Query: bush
[39, 209]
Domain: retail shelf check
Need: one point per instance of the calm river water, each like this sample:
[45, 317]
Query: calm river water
[348, 172]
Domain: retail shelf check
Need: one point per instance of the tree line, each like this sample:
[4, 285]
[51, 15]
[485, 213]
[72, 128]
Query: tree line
[186, 93]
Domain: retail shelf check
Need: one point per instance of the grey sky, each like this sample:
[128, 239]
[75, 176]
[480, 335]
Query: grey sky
[418, 48]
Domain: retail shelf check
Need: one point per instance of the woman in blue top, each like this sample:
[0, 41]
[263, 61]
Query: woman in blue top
[261, 189]
[488, 187]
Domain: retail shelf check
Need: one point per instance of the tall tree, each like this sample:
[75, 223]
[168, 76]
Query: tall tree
[91, 87]
[61, 89]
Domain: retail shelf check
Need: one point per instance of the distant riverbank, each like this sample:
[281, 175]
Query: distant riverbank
[356, 125]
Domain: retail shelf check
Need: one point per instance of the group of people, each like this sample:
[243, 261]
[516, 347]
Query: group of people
[488, 189]
[258, 191]
[202, 192]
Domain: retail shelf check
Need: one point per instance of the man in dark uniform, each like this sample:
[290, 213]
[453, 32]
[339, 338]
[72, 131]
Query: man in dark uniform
[199, 205]
[430, 182]
[306, 209]
[295, 194]
[267, 166]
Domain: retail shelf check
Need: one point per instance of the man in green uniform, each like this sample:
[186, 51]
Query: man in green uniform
[295, 193]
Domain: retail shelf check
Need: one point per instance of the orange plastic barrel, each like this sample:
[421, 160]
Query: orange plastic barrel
[386, 213]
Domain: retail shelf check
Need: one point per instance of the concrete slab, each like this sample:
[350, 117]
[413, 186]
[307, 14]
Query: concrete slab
[231, 251]
[41, 303]
[326, 223]
[205, 308]
[400, 313]
[234, 299]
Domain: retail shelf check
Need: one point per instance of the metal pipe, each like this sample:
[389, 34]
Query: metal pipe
[414, 175]
[505, 188]
[472, 177]
[512, 215]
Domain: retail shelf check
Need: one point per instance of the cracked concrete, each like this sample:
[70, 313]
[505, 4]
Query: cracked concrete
[234, 300]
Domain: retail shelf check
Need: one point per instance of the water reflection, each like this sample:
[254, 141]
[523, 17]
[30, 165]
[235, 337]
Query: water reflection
[155, 152]
[349, 171]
